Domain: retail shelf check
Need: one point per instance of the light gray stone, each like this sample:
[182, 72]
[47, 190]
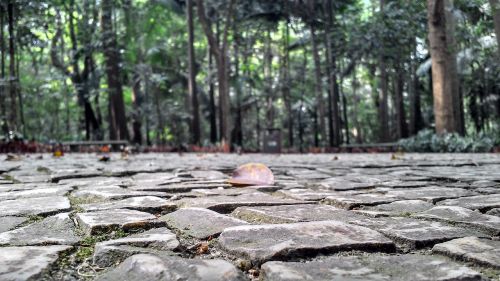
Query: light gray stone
[431, 194]
[34, 206]
[115, 193]
[356, 200]
[55, 230]
[36, 192]
[156, 240]
[373, 267]
[104, 221]
[181, 187]
[260, 243]
[226, 204]
[27, 263]
[208, 175]
[8, 223]
[494, 212]
[150, 204]
[199, 223]
[480, 202]
[293, 213]
[143, 267]
[465, 216]
[413, 233]
[307, 194]
[396, 208]
[472, 249]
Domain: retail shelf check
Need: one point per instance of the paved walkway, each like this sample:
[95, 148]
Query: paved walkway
[328, 217]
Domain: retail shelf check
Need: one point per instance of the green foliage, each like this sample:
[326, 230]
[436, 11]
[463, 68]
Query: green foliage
[428, 141]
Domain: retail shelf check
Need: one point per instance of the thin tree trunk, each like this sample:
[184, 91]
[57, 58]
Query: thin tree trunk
[357, 125]
[213, 109]
[117, 118]
[137, 110]
[401, 126]
[195, 120]
[268, 78]
[495, 10]
[238, 126]
[383, 112]
[319, 88]
[3, 109]
[286, 85]
[12, 69]
[416, 120]
[332, 75]
[444, 73]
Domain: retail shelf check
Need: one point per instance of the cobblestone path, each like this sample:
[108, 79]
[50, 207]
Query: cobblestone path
[174, 217]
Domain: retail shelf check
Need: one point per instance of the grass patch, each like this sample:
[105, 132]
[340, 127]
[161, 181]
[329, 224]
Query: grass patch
[87, 245]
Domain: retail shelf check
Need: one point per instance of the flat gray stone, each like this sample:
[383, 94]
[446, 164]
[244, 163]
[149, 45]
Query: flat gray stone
[307, 194]
[480, 202]
[8, 223]
[226, 204]
[55, 230]
[260, 243]
[471, 249]
[357, 200]
[208, 175]
[413, 233]
[181, 187]
[342, 184]
[143, 267]
[373, 267]
[396, 208]
[27, 263]
[104, 221]
[199, 223]
[150, 204]
[115, 193]
[430, 194]
[115, 251]
[36, 192]
[293, 213]
[34, 206]
[465, 216]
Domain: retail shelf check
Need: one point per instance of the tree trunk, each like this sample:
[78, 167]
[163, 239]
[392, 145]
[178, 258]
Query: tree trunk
[416, 120]
[137, 110]
[495, 10]
[401, 126]
[195, 120]
[319, 89]
[213, 109]
[13, 80]
[333, 102]
[286, 85]
[220, 53]
[268, 78]
[444, 72]
[3, 109]
[238, 126]
[383, 112]
[117, 119]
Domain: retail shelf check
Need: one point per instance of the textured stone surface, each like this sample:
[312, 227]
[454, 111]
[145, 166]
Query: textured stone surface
[103, 221]
[8, 223]
[357, 200]
[150, 204]
[397, 208]
[58, 229]
[373, 267]
[480, 202]
[34, 206]
[415, 234]
[261, 243]
[465, 216]
[151, 267]
[27, 263]
[199, 223]
[293, 213]
[494, 212]
[35, 192]
[431, 194]
[480, 251]
[155, 240]
[226, 204]
[114, 193]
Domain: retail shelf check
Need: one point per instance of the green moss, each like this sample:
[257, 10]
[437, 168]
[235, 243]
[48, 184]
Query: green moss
[86, 247]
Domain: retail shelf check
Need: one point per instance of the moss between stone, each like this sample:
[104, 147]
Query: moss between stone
[86, 247]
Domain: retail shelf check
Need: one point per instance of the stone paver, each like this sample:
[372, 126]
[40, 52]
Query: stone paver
[199, 223]
[169, 216]
[157, 268]
[465, 216]
[416, 234]
[373, 267]
[156, 240]
[27, 263]
[58, 229]
[34, 206]
[293, 213]
[261, 243]
[103, 221]
[149, 204]
[480, 251]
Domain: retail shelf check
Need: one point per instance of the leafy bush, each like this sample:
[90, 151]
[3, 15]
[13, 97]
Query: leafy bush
[428, 141]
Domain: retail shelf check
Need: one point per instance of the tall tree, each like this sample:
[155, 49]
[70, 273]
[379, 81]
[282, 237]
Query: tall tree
[383, 111]
[444, 70]
[13, 79]
[318, 85]
[495, 10]
[116, 106]
[195, 111]
[3, 109]
[221, 60]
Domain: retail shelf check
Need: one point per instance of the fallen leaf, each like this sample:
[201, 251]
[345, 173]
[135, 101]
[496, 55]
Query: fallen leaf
[202, 249]
[252, 174]
[104, 158]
